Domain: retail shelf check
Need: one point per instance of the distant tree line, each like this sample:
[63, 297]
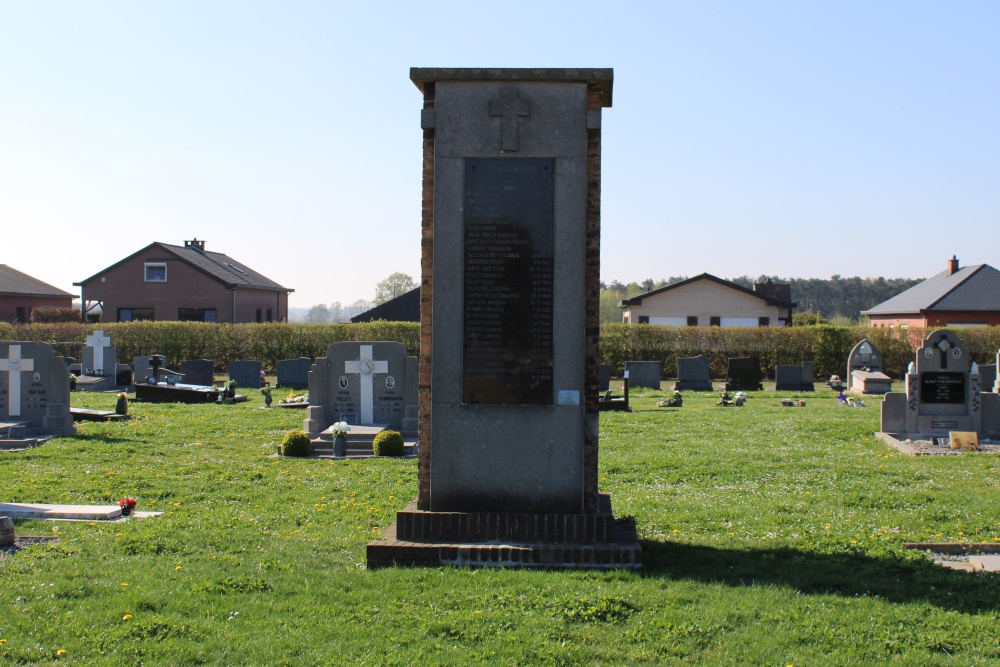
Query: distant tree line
[836, 299]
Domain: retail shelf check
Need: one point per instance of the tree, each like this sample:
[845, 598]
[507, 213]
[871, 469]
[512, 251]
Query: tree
[336, 311]
[391, 287]
[318, 314]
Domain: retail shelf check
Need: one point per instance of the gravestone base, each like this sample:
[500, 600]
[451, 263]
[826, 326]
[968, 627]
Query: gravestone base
[508, 539]
[359, 442]
[176, 393]
[693, 385]
[870, 383]
[96, 383]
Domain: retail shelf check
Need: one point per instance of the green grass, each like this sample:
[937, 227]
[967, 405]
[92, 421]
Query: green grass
[772, 536]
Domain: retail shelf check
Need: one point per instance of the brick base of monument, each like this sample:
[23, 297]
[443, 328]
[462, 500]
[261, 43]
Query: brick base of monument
[508, 539]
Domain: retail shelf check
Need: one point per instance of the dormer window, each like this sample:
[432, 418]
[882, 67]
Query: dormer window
[156, 272]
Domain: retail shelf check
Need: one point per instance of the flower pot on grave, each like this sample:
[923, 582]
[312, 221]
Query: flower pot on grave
[340, 446]
[267, 400]
[121, 406]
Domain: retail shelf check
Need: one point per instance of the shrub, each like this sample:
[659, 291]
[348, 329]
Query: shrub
[45, 314]
[296, 443]
[388, 443]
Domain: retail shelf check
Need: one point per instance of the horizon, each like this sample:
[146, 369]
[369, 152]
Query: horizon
[768, 139]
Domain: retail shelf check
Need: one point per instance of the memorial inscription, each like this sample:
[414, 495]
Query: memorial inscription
[509, 213]
[942, 388]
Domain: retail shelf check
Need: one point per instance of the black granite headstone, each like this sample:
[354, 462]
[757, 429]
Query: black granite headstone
[245, 373]
[744, 374]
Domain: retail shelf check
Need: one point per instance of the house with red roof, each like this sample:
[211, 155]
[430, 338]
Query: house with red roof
[20, 294]
[186, 283]
[966, 296]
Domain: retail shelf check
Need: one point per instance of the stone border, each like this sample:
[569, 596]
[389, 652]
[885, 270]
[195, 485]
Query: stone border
[910, 450]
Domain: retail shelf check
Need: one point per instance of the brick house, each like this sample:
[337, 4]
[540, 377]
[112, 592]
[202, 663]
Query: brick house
[189, 283]
[957, 297]
[706, 300]
[20, 294]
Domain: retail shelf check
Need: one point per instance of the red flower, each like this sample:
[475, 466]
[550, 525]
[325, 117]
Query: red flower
[127, 503]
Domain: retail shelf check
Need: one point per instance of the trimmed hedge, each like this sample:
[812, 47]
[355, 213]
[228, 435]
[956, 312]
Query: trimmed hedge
[222, 343]
[827, 346]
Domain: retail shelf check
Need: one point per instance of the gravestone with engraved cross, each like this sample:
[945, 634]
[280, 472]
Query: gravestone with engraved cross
[34, 389]
[361, 383]
[943, 394]
[99, 357]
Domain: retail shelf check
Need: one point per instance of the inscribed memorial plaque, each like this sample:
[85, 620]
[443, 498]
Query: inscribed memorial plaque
[942, 388]
[509, 213]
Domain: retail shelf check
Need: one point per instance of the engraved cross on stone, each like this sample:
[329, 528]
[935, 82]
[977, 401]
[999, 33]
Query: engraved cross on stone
[14, 365]
[99, 341]
[366, 367]
[509, 107]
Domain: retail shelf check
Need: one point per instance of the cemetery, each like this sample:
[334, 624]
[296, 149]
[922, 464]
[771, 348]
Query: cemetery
[695, 526]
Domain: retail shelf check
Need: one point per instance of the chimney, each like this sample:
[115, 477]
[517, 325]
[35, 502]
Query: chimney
[953, 265]
[195, 244]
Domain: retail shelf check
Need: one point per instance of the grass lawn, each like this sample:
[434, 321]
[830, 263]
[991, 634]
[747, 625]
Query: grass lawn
[772, 536]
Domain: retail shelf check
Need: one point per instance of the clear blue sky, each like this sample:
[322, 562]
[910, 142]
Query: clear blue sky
[802, 139]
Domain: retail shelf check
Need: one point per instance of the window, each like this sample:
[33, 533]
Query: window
[22, 315]
[692, 320]
[156, 272]
[715, 322]
[135, 314]
[259, 315]
[196, 314]
[644, 319]
[269, 318]
[763, 321]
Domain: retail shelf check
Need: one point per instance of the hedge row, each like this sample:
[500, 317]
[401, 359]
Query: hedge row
[220, 342]
[827, 346]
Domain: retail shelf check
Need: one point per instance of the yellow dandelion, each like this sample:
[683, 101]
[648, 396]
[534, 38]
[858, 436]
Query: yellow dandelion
[60, 653]
[177, 568]
[124, 585]
[127, 617]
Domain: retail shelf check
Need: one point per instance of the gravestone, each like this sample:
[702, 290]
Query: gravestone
[198, 372]
[644, 374]
[794, 378]
[744, 374]
[34, 391]
[152, 366]
[865, 372]
[245, 373]
[988, 376]
[693, 374]
[361, 383]
[508, 438]
[943, 394]
[99, 357]
[294, 373]
[604, 377]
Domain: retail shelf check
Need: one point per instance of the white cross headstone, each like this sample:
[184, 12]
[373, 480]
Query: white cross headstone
[99, 341]
[366, 367]
[15, 365]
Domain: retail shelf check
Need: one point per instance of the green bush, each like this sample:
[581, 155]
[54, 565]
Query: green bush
[388, 443]
[296, 443]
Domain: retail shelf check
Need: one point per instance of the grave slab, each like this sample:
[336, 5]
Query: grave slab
[77, 512]
[988, 563]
